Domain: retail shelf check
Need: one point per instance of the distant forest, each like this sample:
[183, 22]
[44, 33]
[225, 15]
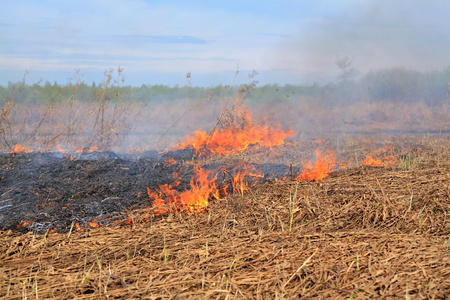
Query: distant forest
[394, 84]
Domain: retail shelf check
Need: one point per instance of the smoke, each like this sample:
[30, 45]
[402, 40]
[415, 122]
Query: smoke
[410, 34]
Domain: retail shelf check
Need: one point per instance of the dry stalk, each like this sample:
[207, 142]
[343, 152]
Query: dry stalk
[299, 268]
[179, 119]
[5, 123]
[445, 107]
[5, 114]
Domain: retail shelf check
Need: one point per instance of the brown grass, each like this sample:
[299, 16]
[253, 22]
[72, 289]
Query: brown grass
[70, 123]
[360, 233]
[121, 124]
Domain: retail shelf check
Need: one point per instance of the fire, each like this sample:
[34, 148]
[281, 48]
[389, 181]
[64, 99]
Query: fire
[379, 162]
[236, 139]
[60, 149]
[382, 158]
[86, 150]
[20, 149]
[77, 227]
[238, 183]
[73, 149]
[164, 151]
[167, 199]
[93, 224]
[170, 161]
[23, 224]
[321, 168]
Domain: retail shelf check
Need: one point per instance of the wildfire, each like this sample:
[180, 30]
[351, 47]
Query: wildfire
[23, 224]
[60, 149]
[382, 158]
[235, 139]
[87, 150]
[19, 149]
[379, 162]
[238, 182]
[93, 224]
[167, 199]
[170, 160]
[227, 140]
[73, 149]
[321, 168]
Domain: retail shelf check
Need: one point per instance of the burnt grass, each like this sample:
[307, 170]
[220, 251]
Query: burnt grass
[362, 232]
[55, 191]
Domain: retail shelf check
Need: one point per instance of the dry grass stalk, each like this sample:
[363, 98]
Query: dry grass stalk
[445, 107]
[339, 247]
[70, 124]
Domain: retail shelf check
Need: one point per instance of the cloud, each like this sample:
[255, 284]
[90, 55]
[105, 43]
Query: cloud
[294, 37]
[159, 39]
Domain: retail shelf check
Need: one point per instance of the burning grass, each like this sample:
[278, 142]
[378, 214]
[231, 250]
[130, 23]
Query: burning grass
[379, 232]
[236, 133]
[237, 212]
[196, 199]
[321, 168]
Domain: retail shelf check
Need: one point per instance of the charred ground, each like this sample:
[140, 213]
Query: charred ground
[52, 191]
[42, 191]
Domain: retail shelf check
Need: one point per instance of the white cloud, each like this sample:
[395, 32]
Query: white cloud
[295, 37]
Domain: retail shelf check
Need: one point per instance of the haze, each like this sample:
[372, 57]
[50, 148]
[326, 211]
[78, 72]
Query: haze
[159, 42]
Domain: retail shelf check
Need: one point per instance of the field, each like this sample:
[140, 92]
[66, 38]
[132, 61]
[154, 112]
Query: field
[247, 210]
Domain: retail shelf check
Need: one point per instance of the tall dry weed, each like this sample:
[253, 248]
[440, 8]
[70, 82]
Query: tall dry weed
[70, 123]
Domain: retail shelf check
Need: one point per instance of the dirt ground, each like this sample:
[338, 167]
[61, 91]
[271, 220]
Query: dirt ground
[361, 232]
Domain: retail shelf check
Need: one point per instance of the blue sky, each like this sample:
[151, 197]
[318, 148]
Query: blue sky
[158, 42]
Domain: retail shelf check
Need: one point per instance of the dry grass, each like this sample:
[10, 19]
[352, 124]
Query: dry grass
[362, 117]
[122, 124]
[69, 124]
[360, 233]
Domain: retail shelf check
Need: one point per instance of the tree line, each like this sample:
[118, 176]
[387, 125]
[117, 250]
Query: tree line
[393, 84]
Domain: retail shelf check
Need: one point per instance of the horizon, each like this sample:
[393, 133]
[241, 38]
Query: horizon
[159, 42]
[253, 76]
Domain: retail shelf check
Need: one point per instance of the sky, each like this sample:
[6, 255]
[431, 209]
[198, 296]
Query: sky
[159, 42]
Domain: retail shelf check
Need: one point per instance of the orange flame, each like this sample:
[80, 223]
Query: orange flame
[170, 161]
[235, 139]
[19, 149]
[23, 224]
[237, 181]
[89, 150]
[93, 224]
[72, 149]
[383, 158]
[77, 228]
[380, 162]
[193, 200]
[321, 168]
[58, 146]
